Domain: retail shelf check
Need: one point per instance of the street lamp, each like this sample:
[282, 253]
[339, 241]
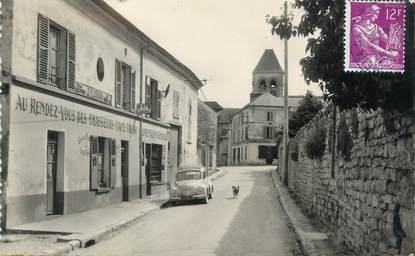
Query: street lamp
[140, 110]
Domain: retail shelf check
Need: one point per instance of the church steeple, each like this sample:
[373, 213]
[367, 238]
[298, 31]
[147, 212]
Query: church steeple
[267, 76]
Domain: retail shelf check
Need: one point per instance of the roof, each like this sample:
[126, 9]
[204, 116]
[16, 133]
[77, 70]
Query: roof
[268, 63]
[214, 105]
[268, 100]
[225, 116]
[158, 50]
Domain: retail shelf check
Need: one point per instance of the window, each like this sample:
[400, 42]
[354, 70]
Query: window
[153, 97]
[246, 152]
[189, 122]
[176, 100]
[246, 133]
[124, 86]
[270, 116]
[268, 132]
[56, 55]
[103, 159]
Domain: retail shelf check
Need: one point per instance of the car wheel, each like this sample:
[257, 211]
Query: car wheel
[206, 199]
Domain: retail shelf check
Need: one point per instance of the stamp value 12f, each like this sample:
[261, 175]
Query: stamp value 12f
[374, 36]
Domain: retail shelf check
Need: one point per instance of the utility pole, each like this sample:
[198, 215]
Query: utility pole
[285, 134]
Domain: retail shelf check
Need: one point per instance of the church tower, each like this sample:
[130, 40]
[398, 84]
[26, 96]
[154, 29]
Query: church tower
[267, 76]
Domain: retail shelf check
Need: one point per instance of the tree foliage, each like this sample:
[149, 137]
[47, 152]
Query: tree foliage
[323, 25]
[307, 109]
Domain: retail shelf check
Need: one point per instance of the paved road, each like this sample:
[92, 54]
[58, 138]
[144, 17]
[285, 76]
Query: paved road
[253, 224]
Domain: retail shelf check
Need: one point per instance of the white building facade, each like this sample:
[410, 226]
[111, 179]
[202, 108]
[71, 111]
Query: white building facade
[70, 132]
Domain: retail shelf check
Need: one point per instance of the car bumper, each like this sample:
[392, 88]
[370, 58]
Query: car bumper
[187, 197]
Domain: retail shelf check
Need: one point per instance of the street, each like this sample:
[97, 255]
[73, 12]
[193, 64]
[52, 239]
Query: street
[252, 224]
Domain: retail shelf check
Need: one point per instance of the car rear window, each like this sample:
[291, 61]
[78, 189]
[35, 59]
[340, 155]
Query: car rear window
[189, 175]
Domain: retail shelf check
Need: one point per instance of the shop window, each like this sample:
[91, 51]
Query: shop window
[124, 86]
[153, 97]
[103, 163]
[56, 54]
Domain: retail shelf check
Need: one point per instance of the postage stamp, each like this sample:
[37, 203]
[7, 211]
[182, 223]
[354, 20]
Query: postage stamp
[374, 36]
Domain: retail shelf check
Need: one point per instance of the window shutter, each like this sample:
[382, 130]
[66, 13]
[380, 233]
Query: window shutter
[126, 87]
[94, 162]
[132, 94]
[71, 58]
[117, 83]
[148, 92]
[265, 132]
[43, 50]
[158, 104]
[113, 169]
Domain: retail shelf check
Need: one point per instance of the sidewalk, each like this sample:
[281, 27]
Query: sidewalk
[313, 240]
[66, 233]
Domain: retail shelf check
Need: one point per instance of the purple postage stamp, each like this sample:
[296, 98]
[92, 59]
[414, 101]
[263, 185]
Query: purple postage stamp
[375, 36]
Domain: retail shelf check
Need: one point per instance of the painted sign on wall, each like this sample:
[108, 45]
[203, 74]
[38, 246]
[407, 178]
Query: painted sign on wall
[39, 108]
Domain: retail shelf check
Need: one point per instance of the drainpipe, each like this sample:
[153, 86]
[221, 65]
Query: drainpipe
[140, 135]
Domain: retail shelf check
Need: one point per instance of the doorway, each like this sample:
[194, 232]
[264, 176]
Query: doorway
[51, 172]
[148, 169]
[124, 170]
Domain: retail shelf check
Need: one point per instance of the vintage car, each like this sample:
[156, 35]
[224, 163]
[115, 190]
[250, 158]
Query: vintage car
[192, 183]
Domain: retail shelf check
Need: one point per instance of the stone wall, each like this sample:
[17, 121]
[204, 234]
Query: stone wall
[362, 189]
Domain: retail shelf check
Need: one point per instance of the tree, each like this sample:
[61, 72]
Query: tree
[307, 109]
[322, 23]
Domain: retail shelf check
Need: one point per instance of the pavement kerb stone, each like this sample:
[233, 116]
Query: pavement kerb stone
[308, 246]
[217, 175]
[101, 234]
[94, 237]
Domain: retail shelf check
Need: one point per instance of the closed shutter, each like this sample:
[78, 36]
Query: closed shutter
[43, 50]
[94, 162]
[132, 93]
[126, 86]
[148, 92]
[113, 169]
[117, 83]
[158, 104]
[153, 96]
[71, 59]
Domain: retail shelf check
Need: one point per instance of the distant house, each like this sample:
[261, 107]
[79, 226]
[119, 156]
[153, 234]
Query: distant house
[207, 125]
[252, 128]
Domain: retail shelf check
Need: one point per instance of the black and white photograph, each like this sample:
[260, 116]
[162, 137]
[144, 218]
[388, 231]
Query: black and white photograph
[207, 128]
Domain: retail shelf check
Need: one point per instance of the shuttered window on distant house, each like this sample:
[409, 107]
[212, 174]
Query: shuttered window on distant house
[189, 122]
[176, 99]
[56, 54]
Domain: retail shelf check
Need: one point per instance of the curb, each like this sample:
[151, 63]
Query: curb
[93, 238]
[307, 244]
[217, 175]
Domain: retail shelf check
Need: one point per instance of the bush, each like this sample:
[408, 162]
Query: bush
[316, 143]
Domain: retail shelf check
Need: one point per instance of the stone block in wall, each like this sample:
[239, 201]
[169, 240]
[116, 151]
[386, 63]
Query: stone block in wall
[407, 218]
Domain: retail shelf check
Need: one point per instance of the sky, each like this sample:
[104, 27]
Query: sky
[219, 40]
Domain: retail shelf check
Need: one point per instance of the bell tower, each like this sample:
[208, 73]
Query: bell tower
[267, 76]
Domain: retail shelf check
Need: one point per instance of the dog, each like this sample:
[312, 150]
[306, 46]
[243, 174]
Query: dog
[235, 190]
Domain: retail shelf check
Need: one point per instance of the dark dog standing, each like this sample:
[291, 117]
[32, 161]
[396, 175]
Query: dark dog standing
[235, 191]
